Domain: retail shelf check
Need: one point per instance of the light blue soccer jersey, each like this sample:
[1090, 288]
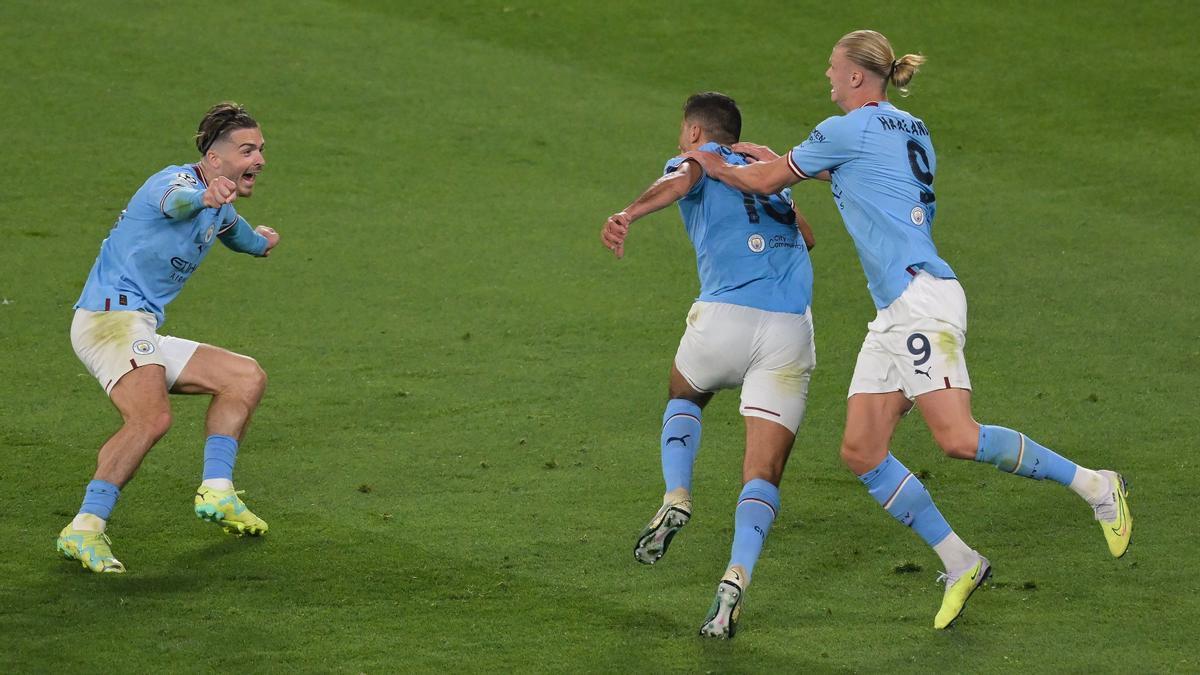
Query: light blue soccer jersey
[881, 163]
[157, 242]
[749, 251]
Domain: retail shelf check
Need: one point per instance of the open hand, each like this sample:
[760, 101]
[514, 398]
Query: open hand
[755, 151]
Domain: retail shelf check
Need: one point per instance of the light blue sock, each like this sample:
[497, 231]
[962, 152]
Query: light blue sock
[220, 454]
[680, 443]
[756, 510]
[100, 498]
[1016, 453]
[903, 496]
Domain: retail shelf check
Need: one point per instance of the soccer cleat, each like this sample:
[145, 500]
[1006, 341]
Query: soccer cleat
[726, 609]
[958, 589]
[225, 508]
[652, 543]
[1115, 520]
[93, 550]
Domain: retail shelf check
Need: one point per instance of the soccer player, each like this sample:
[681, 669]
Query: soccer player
[160, 238]
[881, 164]
[751, 326]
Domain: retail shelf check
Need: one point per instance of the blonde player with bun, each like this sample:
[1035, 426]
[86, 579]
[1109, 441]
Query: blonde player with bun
[881, 164]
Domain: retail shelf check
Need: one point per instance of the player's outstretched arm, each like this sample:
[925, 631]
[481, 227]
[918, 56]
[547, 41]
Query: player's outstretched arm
[181, 202]
[764, 178]
[257, 241]
[661, 194]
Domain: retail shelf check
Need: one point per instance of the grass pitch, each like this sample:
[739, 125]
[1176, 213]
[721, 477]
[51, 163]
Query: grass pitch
[459, 442]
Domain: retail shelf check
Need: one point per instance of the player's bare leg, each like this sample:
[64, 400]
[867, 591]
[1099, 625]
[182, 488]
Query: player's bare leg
[680, 441]
[141, 398]
[948, 414]
[236, 384]
[871, 420]
[768, 445]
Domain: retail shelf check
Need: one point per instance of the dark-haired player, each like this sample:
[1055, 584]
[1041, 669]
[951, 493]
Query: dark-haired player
[751, 327]
[881, 163]
[158, 241]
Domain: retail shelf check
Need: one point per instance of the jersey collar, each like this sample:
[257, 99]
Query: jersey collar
[200, 175]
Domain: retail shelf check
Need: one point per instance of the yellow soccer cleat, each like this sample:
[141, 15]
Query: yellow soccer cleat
[225, 508]
[675, 512]
[1115, 520]
[958, 589]
[93, 550]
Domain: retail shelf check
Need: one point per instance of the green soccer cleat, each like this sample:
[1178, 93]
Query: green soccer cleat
[958, 589]
[1115, 520]
[722, 619]
[225, 508]
[675, 512]
[93, 550]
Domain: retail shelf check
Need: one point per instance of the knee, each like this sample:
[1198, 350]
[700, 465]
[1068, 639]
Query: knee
[152, 424]
[860, 457]
[249, 379]
[257, 378]
[960, 442]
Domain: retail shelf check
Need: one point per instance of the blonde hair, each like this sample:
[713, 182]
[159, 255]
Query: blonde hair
[872, 51]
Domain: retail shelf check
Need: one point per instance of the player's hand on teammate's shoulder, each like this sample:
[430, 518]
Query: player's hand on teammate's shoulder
[271, 235]
[220, 191]
[616, 228]
[756, 152]
[709, 161]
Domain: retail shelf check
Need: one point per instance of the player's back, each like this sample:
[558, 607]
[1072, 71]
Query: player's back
[748, 249]
[148, 255]
[882, 164]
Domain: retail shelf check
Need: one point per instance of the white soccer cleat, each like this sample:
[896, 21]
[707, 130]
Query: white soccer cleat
[675, 512]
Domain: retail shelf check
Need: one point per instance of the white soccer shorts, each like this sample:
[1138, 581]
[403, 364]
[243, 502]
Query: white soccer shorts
[770, 354]
[916, 344]
[111, 344]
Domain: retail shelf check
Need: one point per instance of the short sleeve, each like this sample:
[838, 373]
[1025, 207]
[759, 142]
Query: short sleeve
[833, 143]
[673, 165]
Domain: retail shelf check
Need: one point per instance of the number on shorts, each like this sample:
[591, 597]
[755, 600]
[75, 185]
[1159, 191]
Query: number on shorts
[918, 345]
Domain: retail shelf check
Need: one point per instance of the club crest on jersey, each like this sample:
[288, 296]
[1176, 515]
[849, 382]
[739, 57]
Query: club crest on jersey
[208, 234]
[756, 243]
[143, 347]
[917, 215]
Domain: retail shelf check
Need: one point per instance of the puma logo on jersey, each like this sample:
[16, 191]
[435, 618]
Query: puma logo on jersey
[918, 371]
[682, 439]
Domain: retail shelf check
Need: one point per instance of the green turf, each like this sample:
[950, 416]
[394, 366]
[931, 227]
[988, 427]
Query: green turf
[459, 443]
